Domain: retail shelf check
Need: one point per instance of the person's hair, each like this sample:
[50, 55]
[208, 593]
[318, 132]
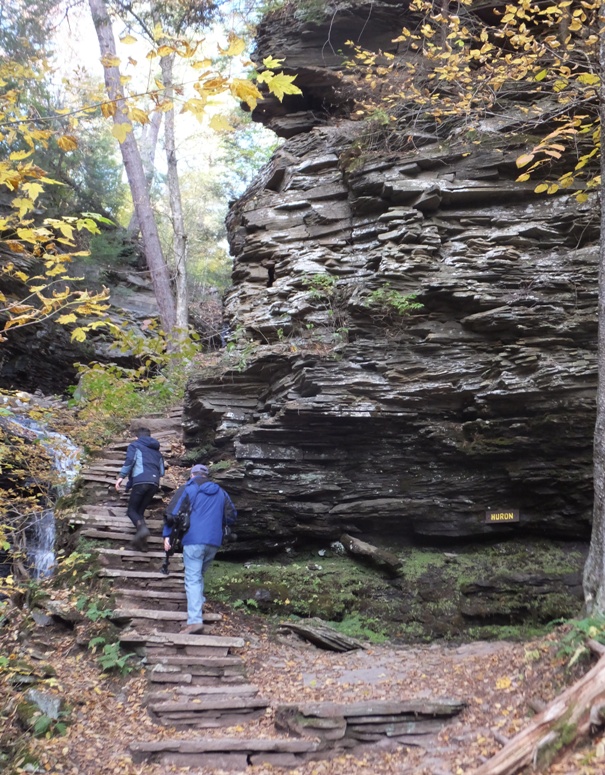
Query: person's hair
[142, 432]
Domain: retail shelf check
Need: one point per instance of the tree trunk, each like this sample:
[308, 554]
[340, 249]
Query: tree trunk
[131, 157]
[572, 716]
[149, 141]
[594, 571]
[176, 207]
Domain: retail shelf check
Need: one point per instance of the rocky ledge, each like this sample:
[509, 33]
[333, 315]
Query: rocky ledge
[341, 413]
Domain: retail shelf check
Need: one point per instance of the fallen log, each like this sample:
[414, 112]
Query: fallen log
[323, 636]
[380, 557]
[573, 715]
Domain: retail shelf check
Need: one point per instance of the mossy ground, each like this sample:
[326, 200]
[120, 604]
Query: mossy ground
[508, 590]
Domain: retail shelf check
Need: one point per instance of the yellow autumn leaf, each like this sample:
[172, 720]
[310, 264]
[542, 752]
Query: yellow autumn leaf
[19, 155]
[503, 683]
[136, 114]
[65, 319]
[541, 188]
[219, 123]
[23, 205]
[165, 51]
[245, 91]
[271, 63]
[589, 79]
[524, 159]
[78, 335]
[59, 269]
[128, 40]
[194, 106]
[33, 190]
[201, 64]
[15, 246]
[67, 143]
[282, 84]
[121, 131]
[236, 46]
[108, 109]
[110, 61]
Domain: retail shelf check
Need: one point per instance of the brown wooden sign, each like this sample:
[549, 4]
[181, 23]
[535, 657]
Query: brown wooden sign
[502, 516]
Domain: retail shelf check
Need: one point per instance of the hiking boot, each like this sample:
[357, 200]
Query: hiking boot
[192, 629]
[140, 537]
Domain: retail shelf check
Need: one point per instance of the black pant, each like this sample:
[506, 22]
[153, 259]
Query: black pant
[141, 496]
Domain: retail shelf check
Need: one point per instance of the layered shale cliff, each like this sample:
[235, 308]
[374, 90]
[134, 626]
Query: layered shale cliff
[340, 413]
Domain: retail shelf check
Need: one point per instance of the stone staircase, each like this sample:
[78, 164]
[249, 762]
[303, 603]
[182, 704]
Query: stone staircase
[197, 682]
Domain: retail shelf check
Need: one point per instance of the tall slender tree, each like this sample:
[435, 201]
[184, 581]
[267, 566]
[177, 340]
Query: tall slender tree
[160, 276]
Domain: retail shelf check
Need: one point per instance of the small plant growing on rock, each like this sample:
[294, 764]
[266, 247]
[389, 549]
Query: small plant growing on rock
[392, 303]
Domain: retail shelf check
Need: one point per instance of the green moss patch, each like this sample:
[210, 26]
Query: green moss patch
[508, 590]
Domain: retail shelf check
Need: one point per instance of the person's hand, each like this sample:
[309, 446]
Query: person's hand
[167, 544]
[119, 481]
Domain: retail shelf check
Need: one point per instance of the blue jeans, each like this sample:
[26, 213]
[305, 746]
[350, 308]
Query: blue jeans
[197, 558]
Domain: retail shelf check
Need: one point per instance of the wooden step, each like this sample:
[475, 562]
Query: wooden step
[230, 753]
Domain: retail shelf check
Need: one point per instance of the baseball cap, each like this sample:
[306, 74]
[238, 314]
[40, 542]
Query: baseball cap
[199, 469]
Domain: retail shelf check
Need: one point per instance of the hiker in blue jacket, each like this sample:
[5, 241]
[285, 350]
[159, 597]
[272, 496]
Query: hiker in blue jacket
[144, 467]
[211, 510]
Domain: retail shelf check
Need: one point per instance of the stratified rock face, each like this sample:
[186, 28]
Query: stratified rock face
[345, 415]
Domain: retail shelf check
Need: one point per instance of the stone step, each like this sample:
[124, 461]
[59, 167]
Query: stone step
[147, 579]
[118, 524]
[186, 693]
[125, 538]
[117, 573]
[92, 477]
[158, 616]
[229, 753]
[150, 594]
[140, 561]
[171, 600]
[111, 510]
[180, 644]
[196, 671]
[209, 712]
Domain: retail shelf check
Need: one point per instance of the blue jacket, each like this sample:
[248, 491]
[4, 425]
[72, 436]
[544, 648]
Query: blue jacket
[144, 463]
[211, 509]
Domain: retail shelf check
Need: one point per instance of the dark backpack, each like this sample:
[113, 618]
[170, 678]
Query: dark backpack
[179, 524]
